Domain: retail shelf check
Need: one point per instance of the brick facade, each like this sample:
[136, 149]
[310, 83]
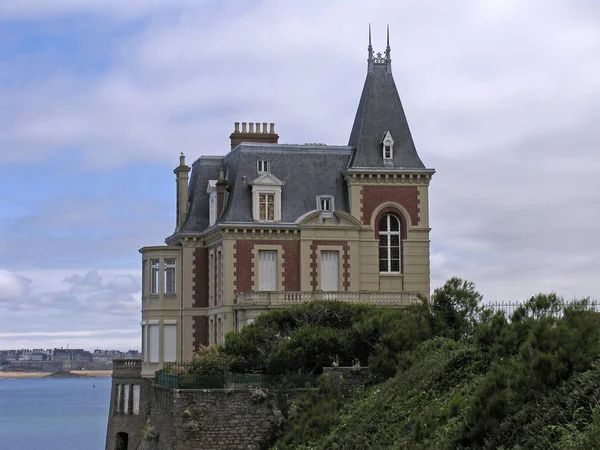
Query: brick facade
[244, 263]
[200, 270]
[373, 196]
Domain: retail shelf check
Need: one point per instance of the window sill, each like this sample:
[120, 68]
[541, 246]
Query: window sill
[390, 274]
[170, 295]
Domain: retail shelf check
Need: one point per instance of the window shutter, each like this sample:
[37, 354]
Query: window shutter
[170, 343]
[267, 270]
[154, 343]
[329, 270]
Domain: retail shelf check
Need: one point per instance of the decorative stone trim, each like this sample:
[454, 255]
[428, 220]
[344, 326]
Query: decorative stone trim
[386, 178]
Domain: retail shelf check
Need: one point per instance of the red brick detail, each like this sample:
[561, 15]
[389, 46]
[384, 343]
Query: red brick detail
[345, 262]
[215, 274]
[373, 196]
[200, 327]
[243, 264]
[200, 293]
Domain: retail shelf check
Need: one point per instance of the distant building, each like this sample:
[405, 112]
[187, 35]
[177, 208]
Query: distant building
[76, 354]
[269, 225]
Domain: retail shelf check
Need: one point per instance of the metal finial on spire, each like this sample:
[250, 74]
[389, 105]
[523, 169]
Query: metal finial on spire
[370, 49]
[388, 36]
[388, 58]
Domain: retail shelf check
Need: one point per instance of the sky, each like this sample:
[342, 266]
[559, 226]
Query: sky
[99, 97]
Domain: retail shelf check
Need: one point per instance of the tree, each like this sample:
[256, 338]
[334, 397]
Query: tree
[456, 305]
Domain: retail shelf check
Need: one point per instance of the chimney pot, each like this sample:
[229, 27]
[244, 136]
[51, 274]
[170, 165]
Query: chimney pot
[251, 130]
[243, 127]
[237, 127]
[264, 127]
[272, 130]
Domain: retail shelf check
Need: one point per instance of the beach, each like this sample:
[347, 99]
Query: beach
[83, 373]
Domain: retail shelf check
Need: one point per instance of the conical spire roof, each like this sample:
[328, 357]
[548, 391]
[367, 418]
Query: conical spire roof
[380, 111]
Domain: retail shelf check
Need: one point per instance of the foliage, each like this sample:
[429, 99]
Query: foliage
[314, 415]
[456, 376]
[210, 360]
[456, 305]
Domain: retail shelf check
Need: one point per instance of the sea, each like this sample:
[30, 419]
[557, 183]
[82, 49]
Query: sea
[54, 413]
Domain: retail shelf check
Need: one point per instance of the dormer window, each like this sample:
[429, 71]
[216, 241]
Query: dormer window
[262, 166]
[387, 143]
[211, 190]
[266, 198]
[325, 203]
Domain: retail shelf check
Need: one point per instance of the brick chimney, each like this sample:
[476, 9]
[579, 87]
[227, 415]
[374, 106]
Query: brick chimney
[181, 178]
[253, 132]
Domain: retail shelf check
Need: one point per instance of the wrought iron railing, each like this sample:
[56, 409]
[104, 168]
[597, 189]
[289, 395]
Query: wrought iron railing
[177, 376]
[509, 308]
[283, 298]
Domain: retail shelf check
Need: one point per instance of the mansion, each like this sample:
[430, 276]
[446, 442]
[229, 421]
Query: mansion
[269, 225]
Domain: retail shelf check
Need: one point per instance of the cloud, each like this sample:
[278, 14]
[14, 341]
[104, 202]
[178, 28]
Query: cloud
[78, 294]
[13, 287]
[501, 96]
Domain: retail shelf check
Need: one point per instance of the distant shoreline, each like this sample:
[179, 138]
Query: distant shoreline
[81, 373]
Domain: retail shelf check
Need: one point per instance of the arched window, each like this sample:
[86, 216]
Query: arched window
[389, 244]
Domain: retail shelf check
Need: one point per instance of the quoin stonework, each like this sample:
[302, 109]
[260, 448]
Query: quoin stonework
[269, 225]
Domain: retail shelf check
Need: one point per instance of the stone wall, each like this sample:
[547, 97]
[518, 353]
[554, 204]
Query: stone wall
[208, 419]
[190, 419]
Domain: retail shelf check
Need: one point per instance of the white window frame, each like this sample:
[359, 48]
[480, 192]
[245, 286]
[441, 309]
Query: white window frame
[170, 265]
[262, 165]
[276, 193]
[266, 184]
[325, 203]
[388, 234]
[154, 276]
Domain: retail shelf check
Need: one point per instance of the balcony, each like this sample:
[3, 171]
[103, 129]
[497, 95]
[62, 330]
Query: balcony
[288, 298]
[127, 368]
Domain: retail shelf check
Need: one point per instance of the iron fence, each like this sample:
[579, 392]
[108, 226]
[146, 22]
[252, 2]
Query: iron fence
[510, 307]
[178, 377]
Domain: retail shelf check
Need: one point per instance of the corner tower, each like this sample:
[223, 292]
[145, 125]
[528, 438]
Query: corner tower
[388, 185]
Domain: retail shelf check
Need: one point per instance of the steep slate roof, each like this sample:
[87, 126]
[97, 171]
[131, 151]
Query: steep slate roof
[204, 168]
[306, 170]
[380, 110]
